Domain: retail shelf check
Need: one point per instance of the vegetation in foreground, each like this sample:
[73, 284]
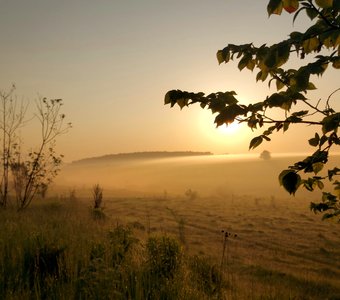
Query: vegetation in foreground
[143, 248]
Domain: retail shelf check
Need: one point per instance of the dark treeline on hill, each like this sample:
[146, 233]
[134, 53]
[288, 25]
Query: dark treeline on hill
[140, 155]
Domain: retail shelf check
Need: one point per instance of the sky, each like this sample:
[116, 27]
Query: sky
[113, 61]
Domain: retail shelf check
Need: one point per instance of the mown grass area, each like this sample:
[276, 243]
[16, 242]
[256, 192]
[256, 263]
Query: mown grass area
[169, 248]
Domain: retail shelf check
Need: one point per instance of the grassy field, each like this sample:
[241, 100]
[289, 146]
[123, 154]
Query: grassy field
[169, 247]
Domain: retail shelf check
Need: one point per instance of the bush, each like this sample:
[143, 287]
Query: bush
[164, 256]
[43, 266]
[162, 278]
[121, 242]
[206, 276]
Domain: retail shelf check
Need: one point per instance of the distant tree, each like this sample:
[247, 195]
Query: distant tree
[265, 155]
[321, 38]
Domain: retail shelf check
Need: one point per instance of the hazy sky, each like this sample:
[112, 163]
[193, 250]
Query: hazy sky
[112, 62]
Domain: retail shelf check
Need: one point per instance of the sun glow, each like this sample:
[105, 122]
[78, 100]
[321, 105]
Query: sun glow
[233, 128]
[232, 138]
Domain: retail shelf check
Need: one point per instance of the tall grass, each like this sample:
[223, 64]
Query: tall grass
[58, 250]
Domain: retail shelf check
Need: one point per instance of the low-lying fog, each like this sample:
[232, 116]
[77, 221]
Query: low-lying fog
[206, 175]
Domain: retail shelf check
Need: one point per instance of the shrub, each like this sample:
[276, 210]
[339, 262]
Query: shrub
[206, 276]
[43, 265]
[164, 256]
[97, 192]
[121, 241]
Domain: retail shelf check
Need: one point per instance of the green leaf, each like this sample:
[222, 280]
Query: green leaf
[331, 173]
[277, 55]
[276, 100]
[244, 61]
[285, 126]
[317, 167]
[274, 7]
[311, 44]
[331, 123]
[262, 75]
[300, 81]
[314, 141]
[182, 102]
[320, 184]
[251, 65]
[271, 59]
[324, 3]
[283, 51]
[336, 63]
[228, 114]
[323, 140]
[220, 57]
[296, 36]
[312, 13]
[279, 84]
[167, 98]
[290, 180]
[311, 86]
[256, 141]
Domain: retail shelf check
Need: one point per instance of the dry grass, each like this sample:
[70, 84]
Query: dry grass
[282, 251]
[281, 248]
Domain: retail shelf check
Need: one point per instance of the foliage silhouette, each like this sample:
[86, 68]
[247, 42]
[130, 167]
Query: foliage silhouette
[321, 38]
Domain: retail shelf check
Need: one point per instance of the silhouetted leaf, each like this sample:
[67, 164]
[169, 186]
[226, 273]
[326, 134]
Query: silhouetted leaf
[290, 181]
[311, 86]
[285, 126]
[276, 100]
[317, 167]
[331, 173]
[336, 63]
[274, 7]
[182, 102]
[244, 61]
[323, 140]
[312, 13]
[228, 114]
[220, 56]
[256, 141]
[320, 184]
[311, 44]
[331, 123]
[324, 3]
[279, 84]
[314, 141]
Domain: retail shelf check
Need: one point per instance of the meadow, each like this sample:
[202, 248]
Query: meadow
[199, 237]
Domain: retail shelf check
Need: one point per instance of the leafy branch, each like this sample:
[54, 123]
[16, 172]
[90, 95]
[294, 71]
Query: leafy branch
[292, 85]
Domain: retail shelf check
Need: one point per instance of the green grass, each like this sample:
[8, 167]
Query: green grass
[151, 248]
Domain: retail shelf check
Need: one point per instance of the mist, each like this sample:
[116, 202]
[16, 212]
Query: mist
[206, 175]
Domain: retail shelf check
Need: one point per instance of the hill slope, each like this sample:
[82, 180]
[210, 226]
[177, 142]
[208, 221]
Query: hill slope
[139, 155]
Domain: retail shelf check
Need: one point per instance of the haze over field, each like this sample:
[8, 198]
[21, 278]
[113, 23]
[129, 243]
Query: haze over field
[113, 61]
[207, 175]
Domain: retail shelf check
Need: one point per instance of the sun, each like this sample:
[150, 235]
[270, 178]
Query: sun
[229, 129]
[230, 138]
